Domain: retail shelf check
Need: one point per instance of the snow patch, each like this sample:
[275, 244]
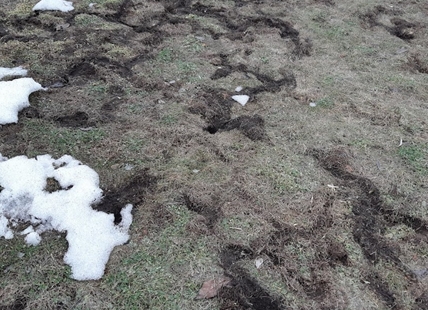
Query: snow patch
[91, 234]
[14, 97]
[17, 71]
[242, 99]
[33, 238]
[54, 5]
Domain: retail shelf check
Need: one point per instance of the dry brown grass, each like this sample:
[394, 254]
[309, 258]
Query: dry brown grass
[277, 179]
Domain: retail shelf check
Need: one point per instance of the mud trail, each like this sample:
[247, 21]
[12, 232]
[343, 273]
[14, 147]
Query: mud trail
[371, 217]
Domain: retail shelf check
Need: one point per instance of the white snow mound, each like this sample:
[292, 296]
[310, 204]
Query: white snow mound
[54, 5]
[91, 234]
[12, 71]
[14, 97]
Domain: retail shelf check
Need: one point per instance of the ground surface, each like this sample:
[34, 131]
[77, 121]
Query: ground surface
[333, 198]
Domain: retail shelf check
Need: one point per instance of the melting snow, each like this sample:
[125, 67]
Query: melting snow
[91, 234]
[14, 97]
[54, 5]
[12, 71]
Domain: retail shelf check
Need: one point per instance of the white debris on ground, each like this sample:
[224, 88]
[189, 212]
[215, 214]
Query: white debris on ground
[17, 71]
[258, 262]
[238, 89]
[54, 5]
[242, 99]
[91, 234]
[14, 94]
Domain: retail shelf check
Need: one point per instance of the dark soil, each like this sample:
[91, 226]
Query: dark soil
[251, 126]
[82, 69]
[421, 303]
[52, 185]
[215, 108]
[416, 63]
[20, 303]
[76, 120]
[371, 217]
[133, 193]
[288, 81]
[211, 212]
[245, 292]
[402, 29]
[30, 112]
